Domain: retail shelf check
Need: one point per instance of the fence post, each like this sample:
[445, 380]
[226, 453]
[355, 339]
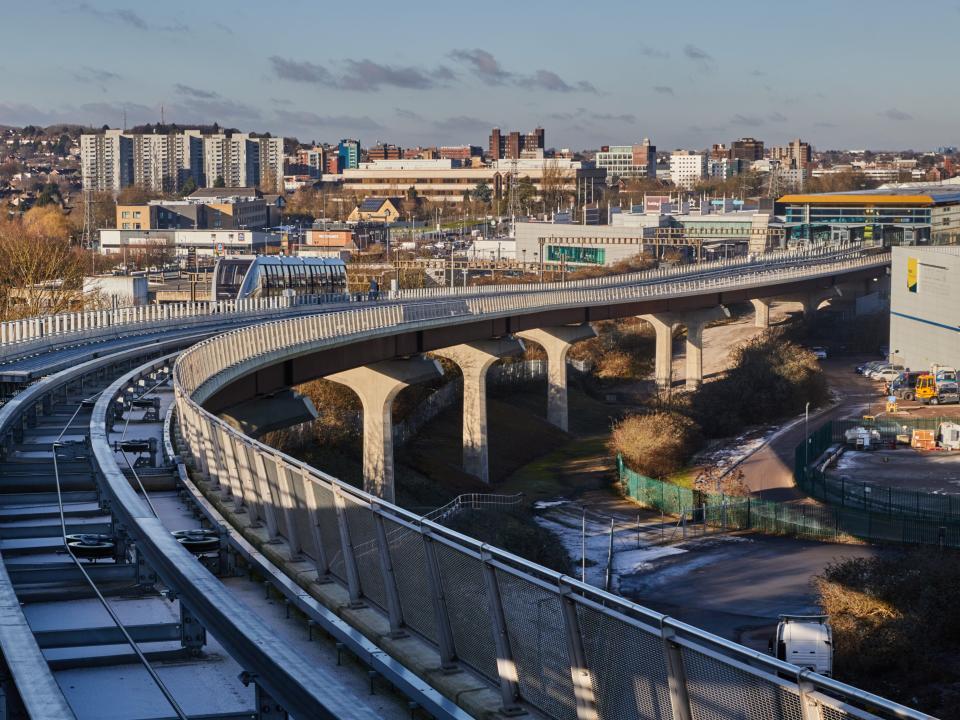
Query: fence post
[579, 672]
[349, 559]
[676, 675]
[394, 611]
[448, 654]
[506, 667]
[313, 513]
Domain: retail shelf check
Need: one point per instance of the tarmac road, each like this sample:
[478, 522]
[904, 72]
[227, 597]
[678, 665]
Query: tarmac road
[737, 586]
[769, 471]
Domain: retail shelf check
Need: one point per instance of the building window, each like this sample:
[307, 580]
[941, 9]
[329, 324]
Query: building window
[126, 226]
[125, 213]
[136, 213]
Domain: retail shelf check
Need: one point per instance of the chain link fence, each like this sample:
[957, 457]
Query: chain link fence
[855, 521]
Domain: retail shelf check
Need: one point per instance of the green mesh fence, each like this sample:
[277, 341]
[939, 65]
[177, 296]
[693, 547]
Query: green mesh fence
[873, 518]
[862, 495]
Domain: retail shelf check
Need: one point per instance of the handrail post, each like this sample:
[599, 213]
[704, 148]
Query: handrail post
[676, 675]
[394, 609]
[579, 671]
[448, 653]
[349, 559]
[506, 666]
[313, 515]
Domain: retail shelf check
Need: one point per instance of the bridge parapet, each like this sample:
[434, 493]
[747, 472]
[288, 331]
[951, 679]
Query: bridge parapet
[568, 649]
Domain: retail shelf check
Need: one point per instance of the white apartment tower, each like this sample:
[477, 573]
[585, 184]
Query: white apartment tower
[163, 163]
[687, 168]
[106, 161]
[243, 161]
[113, 160]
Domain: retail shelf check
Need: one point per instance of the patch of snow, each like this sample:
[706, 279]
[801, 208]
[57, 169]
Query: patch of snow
[544, 504]
[634, 561]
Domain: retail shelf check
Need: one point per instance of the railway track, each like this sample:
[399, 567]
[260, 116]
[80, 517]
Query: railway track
[96, 625]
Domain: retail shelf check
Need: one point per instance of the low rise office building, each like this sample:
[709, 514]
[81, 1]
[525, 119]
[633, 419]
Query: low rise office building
[177, 243]
[229, 208]
[900, 215]
[925, 306]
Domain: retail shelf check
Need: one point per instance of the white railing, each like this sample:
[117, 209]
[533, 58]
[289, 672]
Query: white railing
[233, 352]
[566, 648]
[19, 338]
[31, 335]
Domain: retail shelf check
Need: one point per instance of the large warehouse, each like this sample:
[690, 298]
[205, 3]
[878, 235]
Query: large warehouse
[925, 306]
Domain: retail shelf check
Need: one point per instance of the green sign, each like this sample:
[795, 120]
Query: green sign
[581, 255]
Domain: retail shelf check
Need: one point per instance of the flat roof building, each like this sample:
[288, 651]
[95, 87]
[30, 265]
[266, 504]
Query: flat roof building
[447, 181]
[625, 161]
[888, 217]
[180, 242]
[925, 307]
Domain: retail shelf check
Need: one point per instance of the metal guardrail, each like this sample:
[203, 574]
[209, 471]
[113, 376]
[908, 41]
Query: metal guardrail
[766, 260]
[235, 352]
[20, 337]
[566, 648]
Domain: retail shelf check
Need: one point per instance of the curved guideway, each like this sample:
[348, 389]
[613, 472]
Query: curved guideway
[562, 647]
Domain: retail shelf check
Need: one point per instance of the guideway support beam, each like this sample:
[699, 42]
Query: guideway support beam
[474, 360]
[694, 321]
[556, 342]
[377, 385]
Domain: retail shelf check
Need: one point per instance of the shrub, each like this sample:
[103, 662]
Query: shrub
[896, 626]
[655, 444]
[771, 377]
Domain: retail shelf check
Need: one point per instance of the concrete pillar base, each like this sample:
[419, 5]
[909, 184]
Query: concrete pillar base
[377, 386]
[474, 360]
[761, 312]
[694, 321]
[663, 324]
[556, 342]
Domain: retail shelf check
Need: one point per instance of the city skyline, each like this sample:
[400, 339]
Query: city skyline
[590, 78]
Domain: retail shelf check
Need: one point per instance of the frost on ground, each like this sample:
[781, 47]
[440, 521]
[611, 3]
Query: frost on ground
[733, 450]
[589, 535]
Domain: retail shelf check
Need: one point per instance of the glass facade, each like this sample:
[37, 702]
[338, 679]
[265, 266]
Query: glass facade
[878, 224]
[581, 255]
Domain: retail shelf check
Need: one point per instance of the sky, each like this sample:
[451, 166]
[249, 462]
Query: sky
[851, 74]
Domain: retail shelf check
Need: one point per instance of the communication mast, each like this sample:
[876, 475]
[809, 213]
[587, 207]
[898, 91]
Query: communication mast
[514, 196]
[88, 219]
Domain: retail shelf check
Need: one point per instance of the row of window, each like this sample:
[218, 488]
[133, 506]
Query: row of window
[310, 279]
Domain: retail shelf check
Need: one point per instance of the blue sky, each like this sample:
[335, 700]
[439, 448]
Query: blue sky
[846, 73]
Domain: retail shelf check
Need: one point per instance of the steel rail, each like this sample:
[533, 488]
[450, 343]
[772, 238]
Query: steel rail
[243, 634]
[151, 671]
[35, 684]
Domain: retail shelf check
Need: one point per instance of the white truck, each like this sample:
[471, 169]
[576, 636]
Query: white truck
[805, 641]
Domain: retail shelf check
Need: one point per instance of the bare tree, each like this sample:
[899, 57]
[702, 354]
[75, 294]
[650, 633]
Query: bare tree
[39, 272]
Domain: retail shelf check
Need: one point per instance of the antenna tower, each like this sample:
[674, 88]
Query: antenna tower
[88, 221]
[514, 196]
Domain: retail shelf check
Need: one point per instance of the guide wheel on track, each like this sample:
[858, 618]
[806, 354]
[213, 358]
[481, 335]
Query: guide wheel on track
[198, 541]
[91, 546]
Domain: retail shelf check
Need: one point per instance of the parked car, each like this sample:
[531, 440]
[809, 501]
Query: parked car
[864, 368]
[872, 372]
[804, 640]
[820, 353]
[888, 374]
